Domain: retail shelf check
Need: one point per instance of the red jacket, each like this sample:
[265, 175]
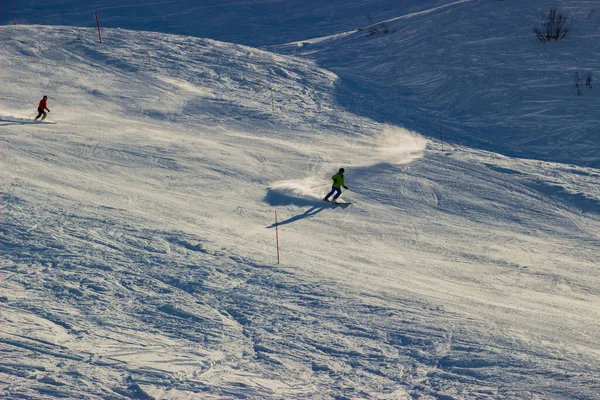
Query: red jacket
[42, 105]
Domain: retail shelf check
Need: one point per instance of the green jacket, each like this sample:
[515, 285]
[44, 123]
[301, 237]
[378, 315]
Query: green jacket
[338, 180]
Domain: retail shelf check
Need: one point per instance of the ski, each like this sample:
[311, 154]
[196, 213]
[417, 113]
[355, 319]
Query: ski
[338, 203]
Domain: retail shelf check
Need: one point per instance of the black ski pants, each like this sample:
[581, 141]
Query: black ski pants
[42, 114]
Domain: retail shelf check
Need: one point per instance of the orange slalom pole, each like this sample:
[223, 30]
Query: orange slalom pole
[277, 236]
[98, 25]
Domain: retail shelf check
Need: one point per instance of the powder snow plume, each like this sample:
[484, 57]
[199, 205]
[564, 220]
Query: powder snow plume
[399, 146]
[304, 191]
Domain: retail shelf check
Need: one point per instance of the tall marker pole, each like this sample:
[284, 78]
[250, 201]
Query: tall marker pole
[14, 20]
[441, 133]
[277, 236]
[98, 25]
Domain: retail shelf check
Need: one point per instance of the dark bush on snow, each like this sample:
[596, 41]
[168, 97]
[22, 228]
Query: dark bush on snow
[555, 26]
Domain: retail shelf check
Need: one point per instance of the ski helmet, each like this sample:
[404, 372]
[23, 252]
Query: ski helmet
[342, 170]
[45, 97]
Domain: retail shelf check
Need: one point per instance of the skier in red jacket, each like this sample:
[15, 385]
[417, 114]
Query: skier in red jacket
[41, 108]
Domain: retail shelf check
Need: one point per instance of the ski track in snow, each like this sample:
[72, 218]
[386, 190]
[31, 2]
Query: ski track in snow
[476, 68]
[137, 238]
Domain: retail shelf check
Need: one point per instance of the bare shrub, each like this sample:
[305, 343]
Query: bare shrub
[555, 26]
[373, 30]
[588, 80]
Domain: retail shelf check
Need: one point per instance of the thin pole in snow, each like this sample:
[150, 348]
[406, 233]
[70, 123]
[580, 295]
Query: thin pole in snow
[14, 20]
[98, 25]
[441, 133]
[277, 236]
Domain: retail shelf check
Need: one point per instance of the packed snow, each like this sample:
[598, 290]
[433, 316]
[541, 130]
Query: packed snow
[138, 233]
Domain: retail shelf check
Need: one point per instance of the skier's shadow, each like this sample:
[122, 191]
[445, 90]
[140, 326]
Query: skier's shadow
[276, 198]
[7, 122]
[314, 210]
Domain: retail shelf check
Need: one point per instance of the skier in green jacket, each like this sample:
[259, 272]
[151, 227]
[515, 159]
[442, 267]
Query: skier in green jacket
[338, 184]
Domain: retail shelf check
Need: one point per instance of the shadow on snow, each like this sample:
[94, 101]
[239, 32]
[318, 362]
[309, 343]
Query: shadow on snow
[277, 198]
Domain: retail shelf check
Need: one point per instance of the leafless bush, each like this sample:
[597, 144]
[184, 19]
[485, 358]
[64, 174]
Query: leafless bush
[375, 29]
[555, 26]
[588, 80]
[579, 83]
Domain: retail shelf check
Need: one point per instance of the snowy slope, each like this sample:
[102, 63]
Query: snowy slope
[474, 65]
[477, 66]
[138, 253]
[254, 23]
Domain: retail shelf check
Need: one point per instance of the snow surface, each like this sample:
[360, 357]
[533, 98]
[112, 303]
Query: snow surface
[254, 23]
[138, 239]
[477, 67]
